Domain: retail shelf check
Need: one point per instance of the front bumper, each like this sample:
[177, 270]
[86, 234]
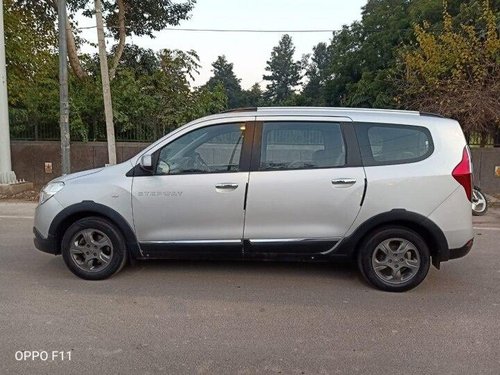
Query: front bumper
[47, 245]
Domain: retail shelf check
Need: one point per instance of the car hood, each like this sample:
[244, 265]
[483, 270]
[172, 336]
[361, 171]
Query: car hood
[72, 176]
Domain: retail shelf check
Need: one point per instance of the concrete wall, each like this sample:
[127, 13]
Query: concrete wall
[485, 160]
[29, 158]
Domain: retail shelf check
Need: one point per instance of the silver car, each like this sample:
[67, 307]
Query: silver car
[390, 190]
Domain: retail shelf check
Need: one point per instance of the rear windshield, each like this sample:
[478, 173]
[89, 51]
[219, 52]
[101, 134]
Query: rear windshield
[385, 144]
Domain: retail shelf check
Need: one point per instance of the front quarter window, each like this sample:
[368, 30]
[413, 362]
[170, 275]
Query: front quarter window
[212, 149]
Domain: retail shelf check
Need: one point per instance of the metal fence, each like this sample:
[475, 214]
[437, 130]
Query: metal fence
[51, 132]
[143, 133]
[481, 140]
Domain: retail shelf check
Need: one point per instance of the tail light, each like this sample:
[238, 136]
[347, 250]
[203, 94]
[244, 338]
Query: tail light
[463, 173]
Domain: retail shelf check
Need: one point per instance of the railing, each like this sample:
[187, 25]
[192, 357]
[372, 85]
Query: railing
[52, 133]
[144, 133]
[481, 140]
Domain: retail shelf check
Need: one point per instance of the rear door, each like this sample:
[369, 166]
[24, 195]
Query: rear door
[305, 187]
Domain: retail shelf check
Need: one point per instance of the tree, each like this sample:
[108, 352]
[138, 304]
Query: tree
[223, 75]
[284, 73]
[252, 97]
[139, 60]
[29, 42]
[122, 18]
[106, 87]
[455, 72]
[140, 17]
[317, 74]
[163, 100]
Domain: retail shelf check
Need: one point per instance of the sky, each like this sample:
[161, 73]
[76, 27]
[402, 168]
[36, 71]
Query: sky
[247, 51]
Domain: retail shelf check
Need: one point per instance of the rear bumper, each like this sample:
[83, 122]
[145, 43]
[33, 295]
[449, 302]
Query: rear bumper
[461, 251]
[47, 245]
[446, 254]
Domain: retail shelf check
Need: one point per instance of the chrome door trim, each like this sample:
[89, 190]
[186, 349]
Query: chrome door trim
[192, 242]
[277, 240]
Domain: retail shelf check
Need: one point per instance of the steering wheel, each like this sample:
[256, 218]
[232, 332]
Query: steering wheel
[199, 163]
[296, 164]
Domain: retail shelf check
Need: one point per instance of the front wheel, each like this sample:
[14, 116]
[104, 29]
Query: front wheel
[394, 259]
[93, 249]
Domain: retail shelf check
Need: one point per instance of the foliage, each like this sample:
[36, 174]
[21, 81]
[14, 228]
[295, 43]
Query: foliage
[223, 75]
[284, 73]
[455, 72]
[152, 95]
[28, 53]
[143, 16]
[401, 53]
[317, 75]
[252, 97]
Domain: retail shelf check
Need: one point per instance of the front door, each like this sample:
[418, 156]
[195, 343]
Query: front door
[194, 200]
[304, 190]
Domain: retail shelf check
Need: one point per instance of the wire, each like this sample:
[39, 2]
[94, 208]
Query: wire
[230, 30]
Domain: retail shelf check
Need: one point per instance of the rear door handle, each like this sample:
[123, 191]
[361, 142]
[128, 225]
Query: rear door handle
[226, 186]
[343, 182]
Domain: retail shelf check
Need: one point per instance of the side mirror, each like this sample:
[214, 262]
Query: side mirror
[146, 162]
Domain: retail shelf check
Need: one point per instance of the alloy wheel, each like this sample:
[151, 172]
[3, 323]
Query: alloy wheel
[91, 250]
[396, 260]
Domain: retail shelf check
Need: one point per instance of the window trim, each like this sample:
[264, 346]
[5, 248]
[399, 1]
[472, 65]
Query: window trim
[362, 136]
[353, 155]
[245, 157]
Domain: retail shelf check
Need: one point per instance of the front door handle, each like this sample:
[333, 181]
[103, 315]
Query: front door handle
[226, 186]
[343, 182]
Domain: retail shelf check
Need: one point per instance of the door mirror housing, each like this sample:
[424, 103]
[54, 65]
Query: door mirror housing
[146, 162]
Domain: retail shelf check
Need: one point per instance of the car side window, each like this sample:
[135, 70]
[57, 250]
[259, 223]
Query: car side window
[383, 144]
[212, 149]
[301, 145]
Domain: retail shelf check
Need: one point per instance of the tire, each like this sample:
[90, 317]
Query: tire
[93, 249]
[389, 250]
[479, 203]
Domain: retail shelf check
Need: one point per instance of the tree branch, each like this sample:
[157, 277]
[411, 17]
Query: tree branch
[121, 43]
[74, 60]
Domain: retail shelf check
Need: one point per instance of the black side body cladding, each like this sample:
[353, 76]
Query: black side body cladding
[89, 208]
[345, 249]
[429, 230]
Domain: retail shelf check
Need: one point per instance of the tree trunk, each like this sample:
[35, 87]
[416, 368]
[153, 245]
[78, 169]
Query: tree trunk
[106, 90]
[121, 43]
[74, 60]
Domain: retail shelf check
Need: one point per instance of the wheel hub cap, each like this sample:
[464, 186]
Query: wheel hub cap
[395, 261]
[91, 250]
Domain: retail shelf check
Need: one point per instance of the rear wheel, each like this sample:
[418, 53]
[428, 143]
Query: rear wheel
[93, 249]
[394, 259]
[479, 203]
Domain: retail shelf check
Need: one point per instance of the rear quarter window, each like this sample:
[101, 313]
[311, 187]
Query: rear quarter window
[386, 144]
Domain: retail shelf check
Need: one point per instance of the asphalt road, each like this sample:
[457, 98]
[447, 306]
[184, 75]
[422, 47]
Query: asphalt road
[229, 317]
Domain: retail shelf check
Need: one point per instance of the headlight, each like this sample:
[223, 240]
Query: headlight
[49, 190]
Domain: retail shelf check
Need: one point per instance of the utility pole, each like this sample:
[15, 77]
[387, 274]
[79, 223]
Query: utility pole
[63, 90]
[7, 176]
[106, 90]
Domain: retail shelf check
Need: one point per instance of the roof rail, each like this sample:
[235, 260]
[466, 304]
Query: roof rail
[338, 109]
[243, 109]
[430, 114]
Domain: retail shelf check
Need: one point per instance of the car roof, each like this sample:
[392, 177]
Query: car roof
[355, 114]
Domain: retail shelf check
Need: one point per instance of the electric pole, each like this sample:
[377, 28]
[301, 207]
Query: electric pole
[106, 90]
[63, 90]
[7, 176]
